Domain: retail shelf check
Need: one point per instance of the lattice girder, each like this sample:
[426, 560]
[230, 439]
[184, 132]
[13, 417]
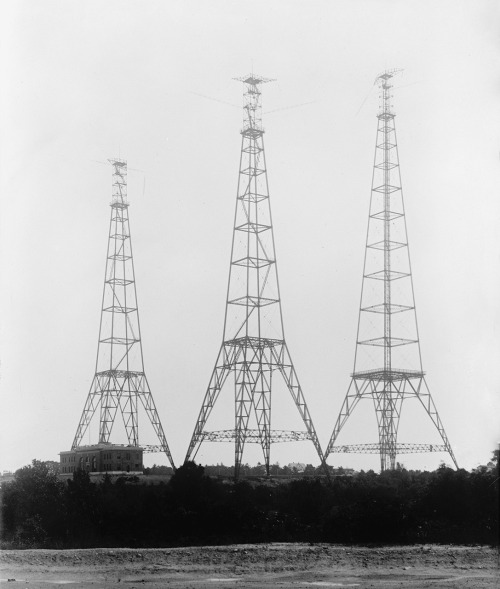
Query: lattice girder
[253, 436]
[387, 334]
[253, 338]
[401, 448]
[119, 381]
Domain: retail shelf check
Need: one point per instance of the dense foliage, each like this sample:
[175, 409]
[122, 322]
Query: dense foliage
[444, 506]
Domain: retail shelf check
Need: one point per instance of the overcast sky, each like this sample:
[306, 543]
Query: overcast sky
[85, 81]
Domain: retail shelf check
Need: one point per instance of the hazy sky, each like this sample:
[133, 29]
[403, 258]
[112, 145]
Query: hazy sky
[85, 81]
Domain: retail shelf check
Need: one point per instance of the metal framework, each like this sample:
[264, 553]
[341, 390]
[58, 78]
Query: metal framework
[400, 448]
[119, 381]
[253, 345]
[387, 336]
[254, 436]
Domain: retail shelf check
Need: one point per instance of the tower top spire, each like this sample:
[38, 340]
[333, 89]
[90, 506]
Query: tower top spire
[384, 81]
[383, 78]
[119, 182]
[117, 162]
[252, 107]
[253, 79]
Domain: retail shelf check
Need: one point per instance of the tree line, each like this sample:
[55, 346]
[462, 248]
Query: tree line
[394, 507]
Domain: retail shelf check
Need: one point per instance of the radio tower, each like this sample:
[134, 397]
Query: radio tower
[253, 345]
[387, 362]
[119, 381]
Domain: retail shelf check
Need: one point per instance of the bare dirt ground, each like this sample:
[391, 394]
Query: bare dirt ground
[298, 566]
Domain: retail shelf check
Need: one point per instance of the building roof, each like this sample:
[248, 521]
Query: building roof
[102, 446]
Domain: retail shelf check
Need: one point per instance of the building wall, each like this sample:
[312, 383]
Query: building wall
[103, 459]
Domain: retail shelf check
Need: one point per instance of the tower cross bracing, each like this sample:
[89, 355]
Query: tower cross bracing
[387, 362]
[253, 346]
[120, 385]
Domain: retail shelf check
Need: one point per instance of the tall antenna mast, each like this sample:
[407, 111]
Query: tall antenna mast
[119, 382]
[253, 345]
[387, 362]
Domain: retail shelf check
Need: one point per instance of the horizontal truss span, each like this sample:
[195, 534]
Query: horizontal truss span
[120, 257]
[254, 342]
[252, 197]
[254, 149]
[252, 132]
[252, 262]
[386, 215]
[388, 165]
[122, 341]
[119, 309]
[386, 188]
[119, 281]
[400, 448]
[393, 374]
[253, 436]
[387, 308]
[255, 301]
[386, 275]
[389, 342]
[149, 448]
[253, 227]
[120, 373]
[387, 245]
[252, 171]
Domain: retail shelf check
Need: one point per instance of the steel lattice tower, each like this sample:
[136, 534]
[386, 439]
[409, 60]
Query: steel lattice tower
[119, 381]
[387, 363]
[253, 345]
